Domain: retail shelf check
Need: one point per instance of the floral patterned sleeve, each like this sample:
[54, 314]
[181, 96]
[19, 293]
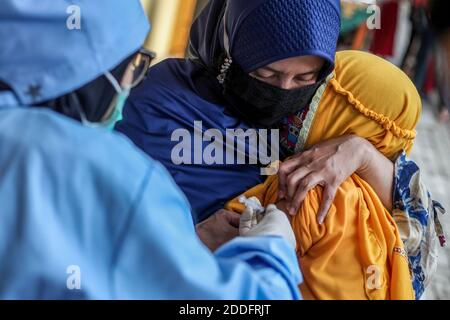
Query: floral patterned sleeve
[416, 215]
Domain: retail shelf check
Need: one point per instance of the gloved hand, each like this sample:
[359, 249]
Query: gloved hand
[272, 222]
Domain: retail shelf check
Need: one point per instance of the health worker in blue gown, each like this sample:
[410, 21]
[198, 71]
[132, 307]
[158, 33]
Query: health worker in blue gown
[83, 213]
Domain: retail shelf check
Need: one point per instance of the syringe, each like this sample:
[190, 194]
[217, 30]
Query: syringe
[252, 203]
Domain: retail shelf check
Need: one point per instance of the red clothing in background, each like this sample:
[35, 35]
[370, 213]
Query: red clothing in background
[384, 38]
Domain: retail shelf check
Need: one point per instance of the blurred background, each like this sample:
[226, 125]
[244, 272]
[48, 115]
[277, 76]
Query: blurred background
[171, 23]
[412, 34]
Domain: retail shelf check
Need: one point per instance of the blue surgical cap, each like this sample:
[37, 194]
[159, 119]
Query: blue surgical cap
[51, 47]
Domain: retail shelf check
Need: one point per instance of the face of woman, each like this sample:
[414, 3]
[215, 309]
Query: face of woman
[291, 73]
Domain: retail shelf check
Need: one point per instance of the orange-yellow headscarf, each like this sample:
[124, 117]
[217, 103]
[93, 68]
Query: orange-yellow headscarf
[357, 253]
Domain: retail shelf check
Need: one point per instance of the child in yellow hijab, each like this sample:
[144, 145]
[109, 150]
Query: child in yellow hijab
[358, 252]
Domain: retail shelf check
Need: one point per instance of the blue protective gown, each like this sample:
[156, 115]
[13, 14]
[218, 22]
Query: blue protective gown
[72, 196]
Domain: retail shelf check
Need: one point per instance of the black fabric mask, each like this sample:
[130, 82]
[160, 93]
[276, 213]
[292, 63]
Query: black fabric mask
[93, 98]
[260, 104]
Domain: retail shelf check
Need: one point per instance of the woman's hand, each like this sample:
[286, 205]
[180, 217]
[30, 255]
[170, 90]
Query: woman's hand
[329, 164]
[218, 229]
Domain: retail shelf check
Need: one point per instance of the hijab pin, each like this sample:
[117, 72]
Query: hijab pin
[224, 70]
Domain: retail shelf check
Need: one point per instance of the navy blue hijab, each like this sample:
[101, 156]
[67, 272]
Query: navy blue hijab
[261, 32]
[181, 92]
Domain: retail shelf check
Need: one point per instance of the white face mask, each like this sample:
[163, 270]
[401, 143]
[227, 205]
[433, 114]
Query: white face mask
[116, 107]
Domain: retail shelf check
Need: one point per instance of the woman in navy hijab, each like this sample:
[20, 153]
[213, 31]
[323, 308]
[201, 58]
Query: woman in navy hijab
[258, 64]
[253, 64]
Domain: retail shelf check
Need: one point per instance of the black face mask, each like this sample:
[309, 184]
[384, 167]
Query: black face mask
[260, 104]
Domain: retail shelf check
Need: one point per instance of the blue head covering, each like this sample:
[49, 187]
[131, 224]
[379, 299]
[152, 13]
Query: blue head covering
[44, 55]
[261, 32]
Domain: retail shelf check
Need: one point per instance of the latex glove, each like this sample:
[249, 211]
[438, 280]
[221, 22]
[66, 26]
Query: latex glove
[272, 222]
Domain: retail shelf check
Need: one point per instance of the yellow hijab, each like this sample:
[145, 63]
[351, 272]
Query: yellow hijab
[357, 253]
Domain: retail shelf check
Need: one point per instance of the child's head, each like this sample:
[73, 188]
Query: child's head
[371, 98]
